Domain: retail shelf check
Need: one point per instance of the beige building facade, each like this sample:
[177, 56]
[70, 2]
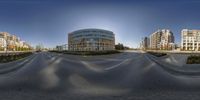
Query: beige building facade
[190, 40]
[162, 40]
[9, 42]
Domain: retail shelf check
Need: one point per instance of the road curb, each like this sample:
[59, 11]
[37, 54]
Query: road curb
[173, 71]
[18, 66]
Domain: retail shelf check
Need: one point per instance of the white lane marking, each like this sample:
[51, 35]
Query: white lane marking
[147, 57]
[91, 66]
[53, 58]
[117, 65]
[28, 59]
[21, 63]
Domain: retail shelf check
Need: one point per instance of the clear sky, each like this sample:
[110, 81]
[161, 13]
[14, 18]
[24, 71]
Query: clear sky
[49, 21]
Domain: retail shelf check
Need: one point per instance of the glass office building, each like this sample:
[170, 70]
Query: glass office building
[91, 40]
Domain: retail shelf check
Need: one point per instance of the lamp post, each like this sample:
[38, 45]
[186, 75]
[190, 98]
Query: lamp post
[6, 44]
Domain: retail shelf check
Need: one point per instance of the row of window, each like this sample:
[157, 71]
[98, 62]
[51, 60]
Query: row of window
[92, 35]
[91, 31]
[90, 49]
[96, 44]
[191, 43]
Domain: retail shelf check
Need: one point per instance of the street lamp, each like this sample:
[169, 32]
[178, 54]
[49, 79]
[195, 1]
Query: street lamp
[6, 44]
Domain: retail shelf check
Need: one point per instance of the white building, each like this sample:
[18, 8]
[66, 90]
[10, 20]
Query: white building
[190, 40]
[2, 44]
[9, 42]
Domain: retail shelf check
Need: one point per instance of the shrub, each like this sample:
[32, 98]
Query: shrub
[12, 57]
[157, 54]
[193, 59]
[88, 52]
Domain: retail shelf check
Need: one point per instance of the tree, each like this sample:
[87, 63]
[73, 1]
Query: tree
[119, 46]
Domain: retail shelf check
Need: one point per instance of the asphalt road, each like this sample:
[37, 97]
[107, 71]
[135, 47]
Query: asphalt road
[124, 76]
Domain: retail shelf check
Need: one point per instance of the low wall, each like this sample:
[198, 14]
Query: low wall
[174, 51]
[13, 52]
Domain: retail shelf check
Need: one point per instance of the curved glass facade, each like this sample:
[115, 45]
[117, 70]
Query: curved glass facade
[91, 40]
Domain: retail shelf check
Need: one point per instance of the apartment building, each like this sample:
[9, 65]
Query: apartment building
[145, 43]
[162, 40]
[9, 42]
[190, 40]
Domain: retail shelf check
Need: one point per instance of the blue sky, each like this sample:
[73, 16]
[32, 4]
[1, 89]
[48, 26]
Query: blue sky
[49, 21]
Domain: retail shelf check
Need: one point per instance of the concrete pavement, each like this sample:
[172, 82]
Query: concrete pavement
[124, 76]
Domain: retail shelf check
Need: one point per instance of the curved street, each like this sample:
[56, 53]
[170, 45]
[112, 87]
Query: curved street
[128, 75]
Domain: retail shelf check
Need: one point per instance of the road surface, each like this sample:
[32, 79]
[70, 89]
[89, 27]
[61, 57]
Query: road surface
[124, 76]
